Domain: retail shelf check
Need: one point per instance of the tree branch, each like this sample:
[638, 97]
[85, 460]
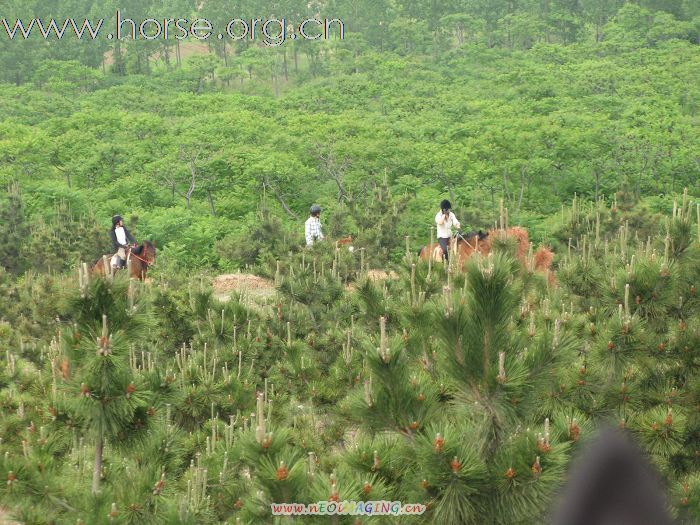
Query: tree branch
[279, 197]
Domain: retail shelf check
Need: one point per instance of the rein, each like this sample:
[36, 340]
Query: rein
[148, 264]
[459, 236]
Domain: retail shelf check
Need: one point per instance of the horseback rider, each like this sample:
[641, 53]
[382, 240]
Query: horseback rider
[313, 225]
[121, 237]
[445, 221]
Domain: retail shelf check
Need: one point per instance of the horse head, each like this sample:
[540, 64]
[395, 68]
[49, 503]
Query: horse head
[150, 249]
[469, 236]
[147, 252]
[472, 238]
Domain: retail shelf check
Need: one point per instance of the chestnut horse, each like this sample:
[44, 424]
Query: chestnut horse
[468, 244]
[464, 244]
[141, 257]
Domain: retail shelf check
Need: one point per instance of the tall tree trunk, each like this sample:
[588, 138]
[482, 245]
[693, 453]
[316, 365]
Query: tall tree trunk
[522, 188]
[284, 62]
[673, 171]
[506, 193]
[118, 59]
[210, 198]
[97, 469]
[275, 85]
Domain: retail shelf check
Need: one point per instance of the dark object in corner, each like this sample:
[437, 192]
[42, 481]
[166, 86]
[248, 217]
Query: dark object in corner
[613, 483]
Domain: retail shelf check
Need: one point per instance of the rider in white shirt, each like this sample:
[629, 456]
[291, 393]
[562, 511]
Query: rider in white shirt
[445, 221]
[312, 226]
[121, 237]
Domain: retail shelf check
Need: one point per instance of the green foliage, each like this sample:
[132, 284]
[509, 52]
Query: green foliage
[267, 238]
[467, 391]
[364, 373]
[14, 231]
[550, 102]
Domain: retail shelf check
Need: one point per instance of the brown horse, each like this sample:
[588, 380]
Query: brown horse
[463, 244]
[468, 244]
[140, 259]
[540, 260]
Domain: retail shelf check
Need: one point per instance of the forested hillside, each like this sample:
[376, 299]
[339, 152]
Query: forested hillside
[248, 369]
[477, 103]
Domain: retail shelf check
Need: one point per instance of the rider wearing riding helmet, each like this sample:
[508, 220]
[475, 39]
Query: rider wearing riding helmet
[313, 225]
[445, 221]
[121, 237]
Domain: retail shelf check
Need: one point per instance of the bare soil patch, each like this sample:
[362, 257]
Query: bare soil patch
[381, 275]
[374, 276]
[243, 283]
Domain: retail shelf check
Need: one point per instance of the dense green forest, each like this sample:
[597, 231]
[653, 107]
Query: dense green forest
[363, 374]
[478, 102]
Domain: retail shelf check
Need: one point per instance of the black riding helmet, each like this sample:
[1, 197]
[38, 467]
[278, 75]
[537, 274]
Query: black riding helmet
[445, 204]
[315, 209]
[116, 219]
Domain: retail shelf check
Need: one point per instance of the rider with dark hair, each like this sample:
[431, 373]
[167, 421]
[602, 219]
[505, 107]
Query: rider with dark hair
[121, 237]
[445, 221]
[312, 226]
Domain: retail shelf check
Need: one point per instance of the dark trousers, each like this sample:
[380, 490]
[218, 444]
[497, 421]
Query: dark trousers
[445, 245]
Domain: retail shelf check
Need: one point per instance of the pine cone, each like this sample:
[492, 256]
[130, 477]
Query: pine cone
[282, 472]
[438, 443]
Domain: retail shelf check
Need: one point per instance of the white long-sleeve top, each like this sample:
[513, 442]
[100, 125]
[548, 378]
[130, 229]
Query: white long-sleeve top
[121, 235]
[313, 230]
[445, 224]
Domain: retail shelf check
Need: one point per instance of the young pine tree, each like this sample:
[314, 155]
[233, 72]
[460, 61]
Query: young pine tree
[102, 391]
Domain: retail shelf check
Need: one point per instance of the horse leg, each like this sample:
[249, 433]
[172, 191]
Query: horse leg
[138, 270]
